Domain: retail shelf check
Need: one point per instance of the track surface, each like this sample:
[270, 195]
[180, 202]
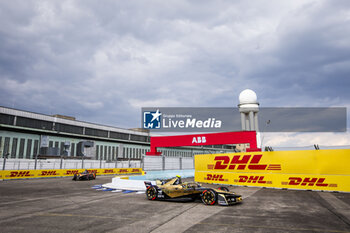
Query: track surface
[62, 205]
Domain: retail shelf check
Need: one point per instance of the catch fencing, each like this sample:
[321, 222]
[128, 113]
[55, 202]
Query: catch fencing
[158, 163]
[39, 164]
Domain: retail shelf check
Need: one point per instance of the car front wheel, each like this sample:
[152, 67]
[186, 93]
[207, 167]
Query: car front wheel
[151, 193]
[209, 197]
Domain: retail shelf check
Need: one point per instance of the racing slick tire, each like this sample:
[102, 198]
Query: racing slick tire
[209, 197]
[151, 193]
[75, 177]
[224, 189]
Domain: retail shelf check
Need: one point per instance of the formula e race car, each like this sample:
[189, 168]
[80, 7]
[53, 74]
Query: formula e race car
[85, 175]
[175, 189]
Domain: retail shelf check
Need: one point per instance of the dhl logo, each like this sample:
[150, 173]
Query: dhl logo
[123, 170]
[92, 170]
[241, 162]
[308, 181]
[135, 170]
[48, 173]
[71, 172]
[20, 174]
[108, 171]
[215, 177]
[253, 179]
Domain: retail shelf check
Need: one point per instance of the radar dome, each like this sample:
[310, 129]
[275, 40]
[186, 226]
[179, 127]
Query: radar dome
[248, 97]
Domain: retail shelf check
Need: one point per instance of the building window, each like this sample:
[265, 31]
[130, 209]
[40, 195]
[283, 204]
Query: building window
[29, 149]
[36, 147]
[21, 148]
[113, 152]
[96, 132]
[34, 123]
[14, 147]
[62, 148]
[6, 119]
[139, 138]
[72, 152]
[6, 146]
[117, 135]
[68, 128]
[97, 152]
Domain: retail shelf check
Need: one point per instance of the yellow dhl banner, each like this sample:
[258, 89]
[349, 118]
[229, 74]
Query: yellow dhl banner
[312, 169]
[22, 174]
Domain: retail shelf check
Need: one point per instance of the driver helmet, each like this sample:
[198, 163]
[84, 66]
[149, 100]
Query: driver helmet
[178, 179]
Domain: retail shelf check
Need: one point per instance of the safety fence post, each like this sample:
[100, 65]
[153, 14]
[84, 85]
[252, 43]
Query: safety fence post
[61, 162]
[4, 162]
[36, 160]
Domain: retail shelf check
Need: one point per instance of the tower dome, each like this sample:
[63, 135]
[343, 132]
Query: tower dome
[249, 108]
[248, 97]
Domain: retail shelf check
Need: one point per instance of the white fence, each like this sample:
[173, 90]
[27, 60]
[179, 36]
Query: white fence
[154, 163]
[29, 164]
[149, 163]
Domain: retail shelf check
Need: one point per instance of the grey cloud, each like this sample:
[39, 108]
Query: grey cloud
[103, 61]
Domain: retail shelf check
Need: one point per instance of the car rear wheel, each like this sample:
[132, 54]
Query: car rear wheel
[75, 177]
[223, 189]
[209, 197]
[151, 193]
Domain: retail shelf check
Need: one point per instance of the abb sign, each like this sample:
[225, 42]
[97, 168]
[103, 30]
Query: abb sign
[198, 140]
[248, 137]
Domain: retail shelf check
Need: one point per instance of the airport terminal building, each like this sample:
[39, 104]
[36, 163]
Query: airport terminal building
[24, 135]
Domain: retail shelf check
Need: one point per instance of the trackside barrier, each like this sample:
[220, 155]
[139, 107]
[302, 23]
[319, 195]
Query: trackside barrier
[22, 174]
[309, 169]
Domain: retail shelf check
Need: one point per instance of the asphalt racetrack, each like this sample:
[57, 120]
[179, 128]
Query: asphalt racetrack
[63, 205]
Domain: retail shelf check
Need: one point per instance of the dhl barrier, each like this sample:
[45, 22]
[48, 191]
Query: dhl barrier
[22, 174]
[309, 169]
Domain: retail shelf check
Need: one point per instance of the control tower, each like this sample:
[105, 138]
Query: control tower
[249, 108]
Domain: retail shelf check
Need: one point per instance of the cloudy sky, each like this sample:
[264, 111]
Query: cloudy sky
[101, 61]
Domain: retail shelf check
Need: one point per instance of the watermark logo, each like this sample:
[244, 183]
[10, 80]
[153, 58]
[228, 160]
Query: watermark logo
[152, 120]
[203, 119]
